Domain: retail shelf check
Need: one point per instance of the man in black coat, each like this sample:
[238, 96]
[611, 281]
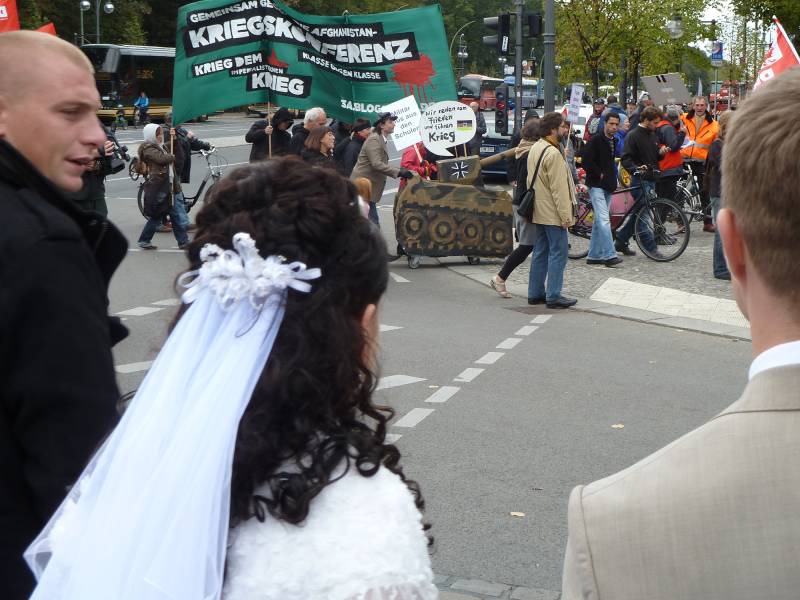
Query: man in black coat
[346, 154]
[314, 117]
[260, 133]
[597, 158]
[58, 391]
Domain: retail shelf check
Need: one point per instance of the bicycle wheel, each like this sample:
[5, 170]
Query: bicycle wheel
[580, 234]
[140, 200]
[663, 222]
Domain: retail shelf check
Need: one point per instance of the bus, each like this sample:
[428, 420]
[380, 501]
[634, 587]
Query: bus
[121, 72]
[478, 88]
[531, 96]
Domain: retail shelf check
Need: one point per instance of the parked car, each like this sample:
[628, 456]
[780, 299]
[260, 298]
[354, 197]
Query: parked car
[493, 143]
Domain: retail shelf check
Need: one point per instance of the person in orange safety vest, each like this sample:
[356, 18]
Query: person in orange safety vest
[670, 134]
[701, 131]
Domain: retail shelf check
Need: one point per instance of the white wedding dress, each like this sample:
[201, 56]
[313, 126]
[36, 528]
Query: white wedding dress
[362, 540]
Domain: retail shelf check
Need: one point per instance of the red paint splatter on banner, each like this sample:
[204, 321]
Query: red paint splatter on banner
[275, 61]
[414, 75]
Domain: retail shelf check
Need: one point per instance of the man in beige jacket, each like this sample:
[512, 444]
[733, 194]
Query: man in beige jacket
[553, 213]
[716, 514]
[373, 161]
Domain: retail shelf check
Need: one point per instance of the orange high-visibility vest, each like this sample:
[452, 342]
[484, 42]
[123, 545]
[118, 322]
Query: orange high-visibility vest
[702, 139]
[672, 159]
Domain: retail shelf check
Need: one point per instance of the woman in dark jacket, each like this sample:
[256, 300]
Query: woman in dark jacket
[318, 149]
[260, 134]
[714, 179]
[158, 188]
[525, 230]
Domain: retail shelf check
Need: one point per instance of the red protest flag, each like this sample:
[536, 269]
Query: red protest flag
[781, 56]
[48, 28]
[9, 18]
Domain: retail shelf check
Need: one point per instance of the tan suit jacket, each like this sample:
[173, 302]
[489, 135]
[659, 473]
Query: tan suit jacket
[714, 515]
[373, 163]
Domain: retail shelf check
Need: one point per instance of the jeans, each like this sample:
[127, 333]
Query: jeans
[645, 228]
[720, 266]
[601, 244]
[178, 227]
[548, 262]
[180, 210]
[373, 213]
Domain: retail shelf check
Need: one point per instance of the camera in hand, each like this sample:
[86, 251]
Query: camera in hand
[119, 157]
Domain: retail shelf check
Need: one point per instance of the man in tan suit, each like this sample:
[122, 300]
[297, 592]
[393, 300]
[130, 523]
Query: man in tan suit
[716, 514]
[373, 161]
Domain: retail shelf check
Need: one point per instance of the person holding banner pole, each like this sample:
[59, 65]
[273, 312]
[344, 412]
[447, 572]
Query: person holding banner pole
[270, 140]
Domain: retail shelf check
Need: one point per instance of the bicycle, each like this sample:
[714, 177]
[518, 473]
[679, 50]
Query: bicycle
[663, 219]
[215, 165]
[687, 194]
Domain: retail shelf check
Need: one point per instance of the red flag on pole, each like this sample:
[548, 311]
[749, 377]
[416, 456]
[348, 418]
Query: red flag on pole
[781, 56]
[48, 28]
[9, 19]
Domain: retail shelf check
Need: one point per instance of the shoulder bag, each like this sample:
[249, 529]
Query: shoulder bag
[525, 208]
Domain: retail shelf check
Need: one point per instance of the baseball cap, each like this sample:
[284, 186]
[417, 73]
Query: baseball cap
[360, 125]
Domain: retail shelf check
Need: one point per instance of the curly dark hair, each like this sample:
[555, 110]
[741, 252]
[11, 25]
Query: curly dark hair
[312, 406]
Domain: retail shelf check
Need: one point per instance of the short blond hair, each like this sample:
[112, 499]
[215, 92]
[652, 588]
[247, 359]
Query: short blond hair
[363, 187]
[20, 51]
[759, 182]
[724, 120]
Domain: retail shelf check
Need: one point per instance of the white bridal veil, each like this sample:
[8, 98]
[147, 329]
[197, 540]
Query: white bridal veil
[148, 518]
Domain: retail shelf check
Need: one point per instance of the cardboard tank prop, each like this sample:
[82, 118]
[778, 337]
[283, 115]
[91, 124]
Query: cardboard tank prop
[455, 216]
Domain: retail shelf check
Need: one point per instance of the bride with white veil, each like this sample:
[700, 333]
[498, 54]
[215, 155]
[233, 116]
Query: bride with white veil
[252, 462]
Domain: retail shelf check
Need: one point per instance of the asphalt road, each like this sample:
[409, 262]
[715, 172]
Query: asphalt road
[495, 414]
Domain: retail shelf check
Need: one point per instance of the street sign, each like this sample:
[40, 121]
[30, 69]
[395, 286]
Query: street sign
[716, 54]
[666, 89]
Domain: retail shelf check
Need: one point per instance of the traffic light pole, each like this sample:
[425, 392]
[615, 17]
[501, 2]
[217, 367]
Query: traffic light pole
[549, 56]
[518, 4]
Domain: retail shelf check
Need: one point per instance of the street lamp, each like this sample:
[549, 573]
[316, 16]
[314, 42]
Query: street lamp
[462, 54]
[85, 6]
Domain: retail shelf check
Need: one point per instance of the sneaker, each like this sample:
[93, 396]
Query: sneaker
[562, 302]
[183, 246]
[595, 261]
[612, 262]
[710, 228]
[147, 246]
[624, 248]
[536, 300]
[723, 276]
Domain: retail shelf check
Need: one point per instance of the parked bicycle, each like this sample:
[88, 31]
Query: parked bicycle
[215, 165]
[657, 218]
[687, 196]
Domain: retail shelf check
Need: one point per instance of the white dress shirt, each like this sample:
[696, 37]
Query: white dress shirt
[778, 356]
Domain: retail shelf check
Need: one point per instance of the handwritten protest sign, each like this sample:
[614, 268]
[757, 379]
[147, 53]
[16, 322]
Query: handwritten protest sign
[446, 124]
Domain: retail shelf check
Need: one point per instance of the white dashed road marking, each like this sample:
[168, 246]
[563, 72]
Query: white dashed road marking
[527, 330]
[167, 302]
[509, 343]
[134, 367]
[541, 319]
[391, 438]
[413, 418]
[391, 381]
[389, 327]
[443, 394]
[489, 358]
[139, 311]
[468, 375]
[398, 278]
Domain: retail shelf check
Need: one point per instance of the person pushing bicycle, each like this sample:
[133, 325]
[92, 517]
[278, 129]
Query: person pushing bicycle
[640, 156]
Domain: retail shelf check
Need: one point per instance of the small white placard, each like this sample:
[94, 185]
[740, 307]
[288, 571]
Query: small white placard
[406, 128]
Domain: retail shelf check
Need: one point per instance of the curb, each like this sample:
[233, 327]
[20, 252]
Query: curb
[623, 312]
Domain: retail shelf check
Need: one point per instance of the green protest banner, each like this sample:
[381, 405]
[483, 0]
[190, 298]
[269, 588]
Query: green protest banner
[257, 51]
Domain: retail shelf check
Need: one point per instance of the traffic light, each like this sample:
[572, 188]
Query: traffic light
[534, 23]
[502, 40]
[501, 109]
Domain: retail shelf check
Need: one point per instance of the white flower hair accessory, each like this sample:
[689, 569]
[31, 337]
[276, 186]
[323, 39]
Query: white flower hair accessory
[233, 275]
